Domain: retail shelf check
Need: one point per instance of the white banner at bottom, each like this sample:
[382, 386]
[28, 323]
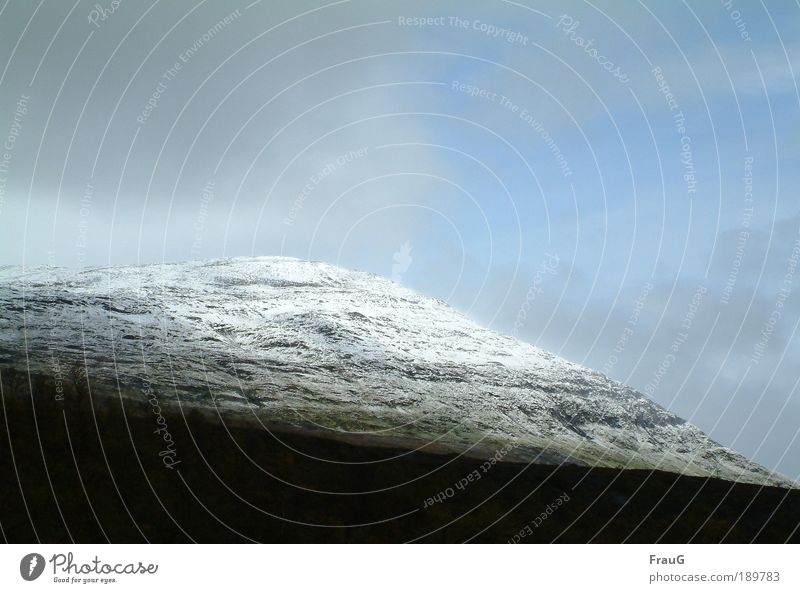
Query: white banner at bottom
[356, 568]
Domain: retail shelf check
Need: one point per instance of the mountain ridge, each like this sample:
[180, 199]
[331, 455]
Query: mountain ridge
[316, 346]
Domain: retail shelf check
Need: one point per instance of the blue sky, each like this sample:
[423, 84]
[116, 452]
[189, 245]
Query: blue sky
[470, 185]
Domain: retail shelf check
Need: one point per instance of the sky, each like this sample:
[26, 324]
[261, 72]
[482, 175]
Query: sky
[613, 182]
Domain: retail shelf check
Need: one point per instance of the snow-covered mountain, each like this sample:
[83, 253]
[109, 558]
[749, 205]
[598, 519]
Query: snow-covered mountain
[319, 347]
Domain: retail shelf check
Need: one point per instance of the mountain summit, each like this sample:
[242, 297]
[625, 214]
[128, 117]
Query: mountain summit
[317, 347]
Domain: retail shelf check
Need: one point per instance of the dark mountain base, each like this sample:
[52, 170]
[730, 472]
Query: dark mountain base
[73, 471]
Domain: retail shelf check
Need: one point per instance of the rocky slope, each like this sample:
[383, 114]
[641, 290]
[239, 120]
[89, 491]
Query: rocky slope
[322, 348]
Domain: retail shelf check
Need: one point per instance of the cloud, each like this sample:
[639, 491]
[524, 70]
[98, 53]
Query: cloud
[259, 127]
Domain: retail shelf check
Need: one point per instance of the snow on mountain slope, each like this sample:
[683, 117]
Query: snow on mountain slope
[318, 346]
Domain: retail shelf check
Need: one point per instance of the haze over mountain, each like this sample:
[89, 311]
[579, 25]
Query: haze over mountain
[321, 348]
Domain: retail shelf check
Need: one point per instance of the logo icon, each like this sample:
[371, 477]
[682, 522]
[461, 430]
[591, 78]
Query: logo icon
[31, 566]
